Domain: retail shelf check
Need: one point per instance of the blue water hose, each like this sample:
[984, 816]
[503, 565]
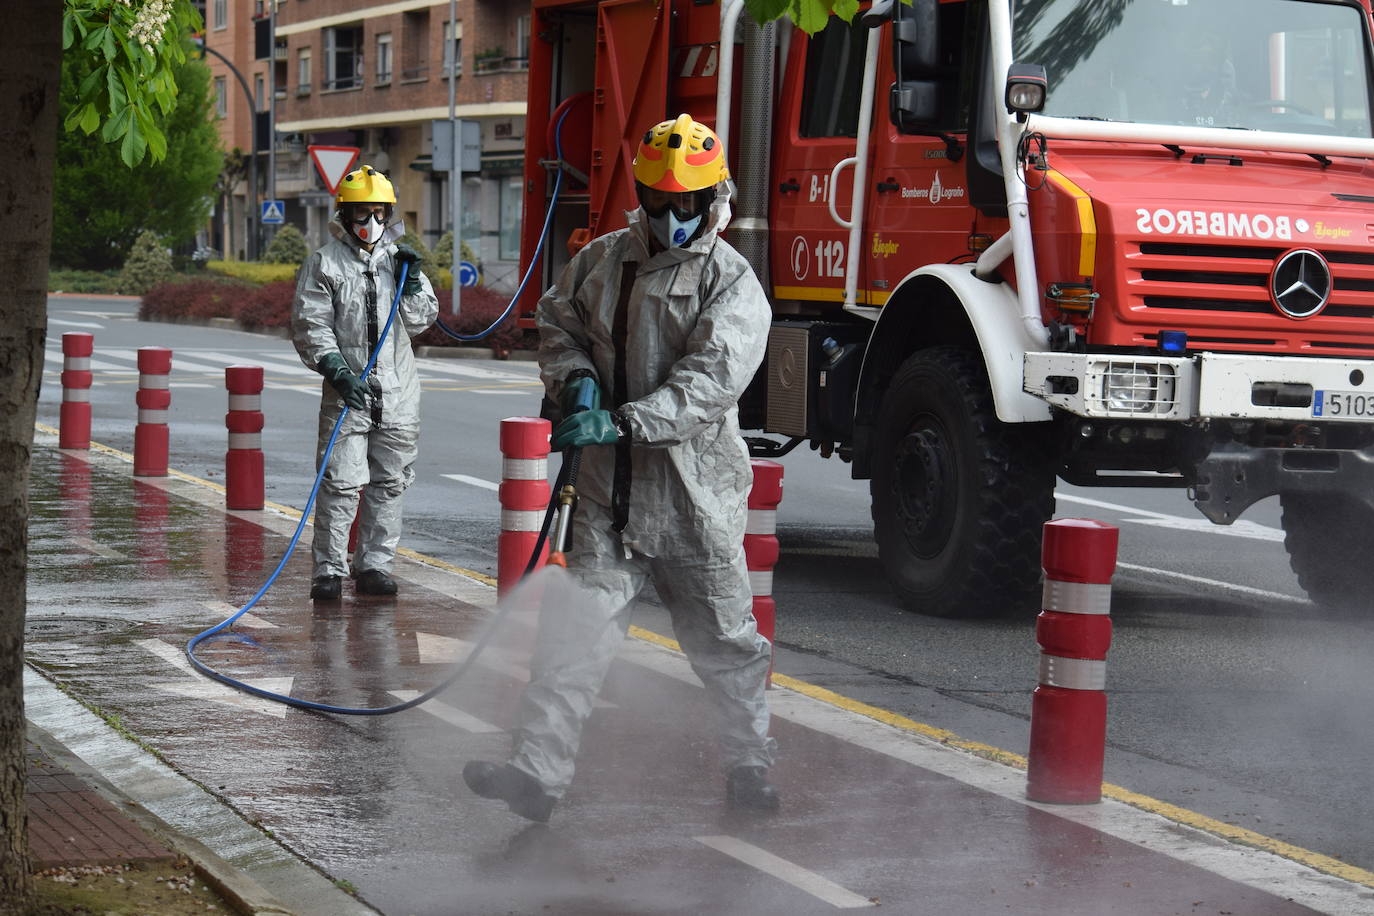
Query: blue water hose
[538, 248]
[458, 672]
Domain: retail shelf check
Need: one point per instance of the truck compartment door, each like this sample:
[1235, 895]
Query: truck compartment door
[631, 96]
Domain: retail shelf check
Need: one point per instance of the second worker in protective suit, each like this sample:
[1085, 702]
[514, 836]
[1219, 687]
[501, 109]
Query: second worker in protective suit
[665, 324]
[344, 294]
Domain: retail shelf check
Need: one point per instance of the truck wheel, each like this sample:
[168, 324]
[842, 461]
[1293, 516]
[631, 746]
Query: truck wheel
[959, 498]
[1326, 538]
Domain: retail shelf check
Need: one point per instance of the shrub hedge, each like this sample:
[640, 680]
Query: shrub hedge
[480, 307]
[253, 271]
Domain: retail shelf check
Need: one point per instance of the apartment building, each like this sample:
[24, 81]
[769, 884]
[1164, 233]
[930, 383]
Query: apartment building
[375, 75]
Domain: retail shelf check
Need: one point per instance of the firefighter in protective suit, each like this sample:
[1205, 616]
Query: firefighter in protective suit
[665, 324]
[343, 297]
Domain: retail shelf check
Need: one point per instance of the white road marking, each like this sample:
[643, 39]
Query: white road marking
[225, 610]
[523, 392]
[269, 362]
[97, 548]
[1215, 583]
[435, 650]
[800, 878]
[460, 368]
[74, 324]
[1243, 529]
[455, 717]
[179, 363]
[474, 481]
[202, 688]
[55, 357]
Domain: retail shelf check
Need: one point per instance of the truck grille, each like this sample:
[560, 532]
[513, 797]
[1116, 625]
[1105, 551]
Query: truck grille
[1171, 283]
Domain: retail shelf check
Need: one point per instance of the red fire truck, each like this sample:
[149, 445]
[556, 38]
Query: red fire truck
[1117, 242]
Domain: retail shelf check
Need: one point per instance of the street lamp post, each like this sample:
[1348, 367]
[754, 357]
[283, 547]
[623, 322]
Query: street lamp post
[253, 153]
[455, 172]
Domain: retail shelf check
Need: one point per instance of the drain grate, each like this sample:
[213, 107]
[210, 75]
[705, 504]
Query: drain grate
[36, 628]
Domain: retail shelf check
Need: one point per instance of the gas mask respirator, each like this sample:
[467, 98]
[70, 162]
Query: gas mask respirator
[675, 219]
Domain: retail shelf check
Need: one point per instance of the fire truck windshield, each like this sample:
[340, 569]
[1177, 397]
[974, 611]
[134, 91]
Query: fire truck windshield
[1299, 66]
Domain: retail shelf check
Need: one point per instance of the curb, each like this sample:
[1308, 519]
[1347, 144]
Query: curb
[245, 894]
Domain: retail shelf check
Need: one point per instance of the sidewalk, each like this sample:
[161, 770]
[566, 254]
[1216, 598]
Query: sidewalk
[875, 812]
[82, 829]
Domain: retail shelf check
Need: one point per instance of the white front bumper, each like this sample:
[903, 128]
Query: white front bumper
[1178, 388]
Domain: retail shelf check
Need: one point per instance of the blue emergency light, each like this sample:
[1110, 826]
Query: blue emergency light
[1173, 341]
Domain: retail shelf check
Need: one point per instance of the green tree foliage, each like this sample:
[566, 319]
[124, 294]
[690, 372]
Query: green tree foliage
[809, 15]
[100, 207]
[149, 264]
[288, 247]
[133, 48]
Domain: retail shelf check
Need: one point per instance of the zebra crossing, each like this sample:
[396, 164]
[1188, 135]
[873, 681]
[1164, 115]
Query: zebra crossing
[197, 367]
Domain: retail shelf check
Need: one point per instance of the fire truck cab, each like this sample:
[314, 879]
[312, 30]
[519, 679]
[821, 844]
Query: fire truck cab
[1116, 242]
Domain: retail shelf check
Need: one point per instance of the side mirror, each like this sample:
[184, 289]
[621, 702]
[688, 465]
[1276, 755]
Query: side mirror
[915, 39]
[913, 105]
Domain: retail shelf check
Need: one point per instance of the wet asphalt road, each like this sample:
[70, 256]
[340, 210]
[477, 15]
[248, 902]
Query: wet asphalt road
[1230, 694]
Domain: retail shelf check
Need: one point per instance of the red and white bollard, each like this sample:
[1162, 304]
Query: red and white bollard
[154, 398]
[243, 470]
[524, 495]
[761, 544]
[1068, 736]
[74, 418]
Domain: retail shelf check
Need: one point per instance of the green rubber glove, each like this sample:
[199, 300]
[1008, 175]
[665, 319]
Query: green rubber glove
[590, 427]
[344, 380]
[582, 391]
[407, 255]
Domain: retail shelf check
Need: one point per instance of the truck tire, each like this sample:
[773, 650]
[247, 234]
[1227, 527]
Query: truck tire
[959, 498]
[1327, 539]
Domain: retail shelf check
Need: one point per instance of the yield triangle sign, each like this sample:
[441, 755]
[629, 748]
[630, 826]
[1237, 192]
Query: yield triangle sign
[333, 163]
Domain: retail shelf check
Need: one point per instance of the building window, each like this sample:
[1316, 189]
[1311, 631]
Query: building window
[384, 57]
[511, 186]
[415, 45]
[259, 95]
[453, 49]
[303, 71]
[522, 40]
[221, 8]
[343, 57]
[221, 100]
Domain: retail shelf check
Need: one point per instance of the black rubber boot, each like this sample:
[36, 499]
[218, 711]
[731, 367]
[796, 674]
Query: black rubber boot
[748, 788]
[521, 791]
[326, 588]
[375, 582]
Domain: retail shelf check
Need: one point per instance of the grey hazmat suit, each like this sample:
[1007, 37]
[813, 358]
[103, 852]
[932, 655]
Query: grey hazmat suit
[670, 505]
[343, 297]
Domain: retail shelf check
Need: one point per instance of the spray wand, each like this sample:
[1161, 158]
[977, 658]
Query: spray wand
[589, 398]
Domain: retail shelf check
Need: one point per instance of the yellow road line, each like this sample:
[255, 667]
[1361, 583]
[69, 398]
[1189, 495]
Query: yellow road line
[1314, 860]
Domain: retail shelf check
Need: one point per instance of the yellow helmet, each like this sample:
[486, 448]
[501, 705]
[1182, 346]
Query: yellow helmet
[365, 185]
[680, 155]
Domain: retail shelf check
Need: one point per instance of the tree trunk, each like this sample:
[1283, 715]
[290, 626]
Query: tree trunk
[30, 59]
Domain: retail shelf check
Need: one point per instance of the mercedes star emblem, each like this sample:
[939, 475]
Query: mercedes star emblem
[1301, 283]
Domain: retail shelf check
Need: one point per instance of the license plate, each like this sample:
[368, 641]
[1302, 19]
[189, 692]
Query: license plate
[1339, 405]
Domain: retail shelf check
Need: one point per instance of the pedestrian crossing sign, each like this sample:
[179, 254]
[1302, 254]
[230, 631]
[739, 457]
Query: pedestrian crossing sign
[274, 211]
